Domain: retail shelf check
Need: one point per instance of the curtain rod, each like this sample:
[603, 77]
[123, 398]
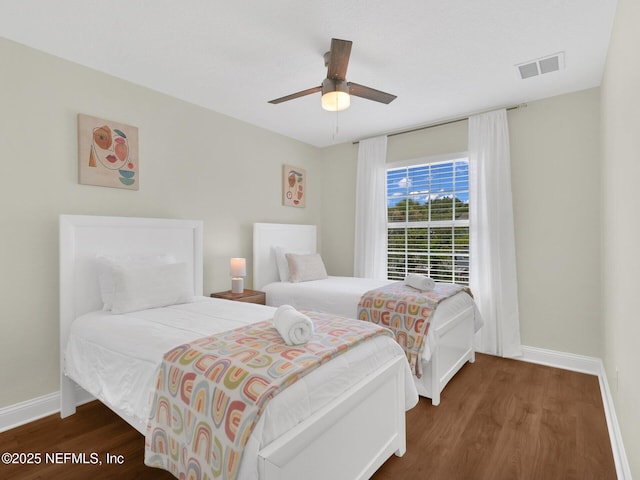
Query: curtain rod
[447, 122]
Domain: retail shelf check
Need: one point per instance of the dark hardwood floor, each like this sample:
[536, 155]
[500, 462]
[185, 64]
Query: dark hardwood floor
[498, 419]
[506, 419]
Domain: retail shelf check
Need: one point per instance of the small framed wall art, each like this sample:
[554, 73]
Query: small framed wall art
[107, 153]
[294, 187]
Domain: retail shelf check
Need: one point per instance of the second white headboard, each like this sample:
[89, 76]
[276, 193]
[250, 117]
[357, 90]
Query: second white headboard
[269, 235]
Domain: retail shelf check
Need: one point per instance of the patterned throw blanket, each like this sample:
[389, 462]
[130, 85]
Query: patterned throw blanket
[407, 312]
[210, 393]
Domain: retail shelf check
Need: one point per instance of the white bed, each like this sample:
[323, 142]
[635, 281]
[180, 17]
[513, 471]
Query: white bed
[449, 344]
[297, 432]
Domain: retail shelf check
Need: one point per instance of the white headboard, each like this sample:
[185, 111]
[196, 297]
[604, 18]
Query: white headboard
[269, 235]
[82, 237]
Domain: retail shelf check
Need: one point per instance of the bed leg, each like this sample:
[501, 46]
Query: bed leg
[67, 397]
[401, 419]
[436, 386]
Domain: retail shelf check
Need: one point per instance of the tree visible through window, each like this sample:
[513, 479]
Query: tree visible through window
[428, 221]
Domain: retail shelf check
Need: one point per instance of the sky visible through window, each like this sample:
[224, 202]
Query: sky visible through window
[431, 181]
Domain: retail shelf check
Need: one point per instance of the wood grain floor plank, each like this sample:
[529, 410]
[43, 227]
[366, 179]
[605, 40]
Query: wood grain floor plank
[499, 419]
[518, 425]
[513, 420]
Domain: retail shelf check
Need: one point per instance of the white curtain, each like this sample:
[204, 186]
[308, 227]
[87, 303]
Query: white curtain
[370, 248]
[492, 249]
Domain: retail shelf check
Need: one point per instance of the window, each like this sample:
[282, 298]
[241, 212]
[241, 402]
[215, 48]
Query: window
[428, 221]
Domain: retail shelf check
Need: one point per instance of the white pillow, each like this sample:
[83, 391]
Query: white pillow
[303, 268]
[281, 261]
[106, 264]
[140, 288]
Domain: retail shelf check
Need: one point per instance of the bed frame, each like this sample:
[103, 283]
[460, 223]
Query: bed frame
[340, 441]
[453, 339]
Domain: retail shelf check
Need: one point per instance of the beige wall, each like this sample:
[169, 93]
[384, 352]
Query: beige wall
[336, 231]
[555, 159]
[555, 175]
[194, 164]
[621, 223]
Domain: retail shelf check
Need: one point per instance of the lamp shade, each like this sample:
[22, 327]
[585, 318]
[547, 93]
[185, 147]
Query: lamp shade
[238, 267]
[335, 95]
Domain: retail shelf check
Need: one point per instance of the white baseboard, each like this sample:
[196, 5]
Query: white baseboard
[28, 411]
[566, 361]
[36, 408]
[619, 455]
[592, 366]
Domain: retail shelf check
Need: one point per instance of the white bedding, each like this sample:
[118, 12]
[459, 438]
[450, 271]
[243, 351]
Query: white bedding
[340, 296]
[114, 357]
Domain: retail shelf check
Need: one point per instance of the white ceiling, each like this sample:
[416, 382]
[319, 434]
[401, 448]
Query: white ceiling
[442, 59]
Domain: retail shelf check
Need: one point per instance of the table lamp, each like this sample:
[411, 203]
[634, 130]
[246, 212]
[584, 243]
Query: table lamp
[237, 270]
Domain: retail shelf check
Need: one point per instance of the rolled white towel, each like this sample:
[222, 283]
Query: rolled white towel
[293, 326]
[420, 282]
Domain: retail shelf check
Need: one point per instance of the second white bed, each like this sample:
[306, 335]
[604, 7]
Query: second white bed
[449, 343]
[340, 296]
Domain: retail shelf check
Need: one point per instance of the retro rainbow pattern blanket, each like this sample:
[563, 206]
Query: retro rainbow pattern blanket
[407, 312]
[210, 393]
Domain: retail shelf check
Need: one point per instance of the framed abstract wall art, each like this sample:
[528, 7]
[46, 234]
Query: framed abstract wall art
[294, 192]
[107, 153]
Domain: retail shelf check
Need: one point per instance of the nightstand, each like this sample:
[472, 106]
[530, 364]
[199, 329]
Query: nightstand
[248, 296]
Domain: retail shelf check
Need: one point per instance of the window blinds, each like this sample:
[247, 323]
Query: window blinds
[428, 221]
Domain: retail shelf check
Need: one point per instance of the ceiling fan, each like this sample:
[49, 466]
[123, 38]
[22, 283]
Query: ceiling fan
[335, 89]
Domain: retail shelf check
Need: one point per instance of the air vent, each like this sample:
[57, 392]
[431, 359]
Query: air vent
[533, 68]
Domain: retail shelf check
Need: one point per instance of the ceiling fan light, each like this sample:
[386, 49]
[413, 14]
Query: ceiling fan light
[336, 101]
[335, 95]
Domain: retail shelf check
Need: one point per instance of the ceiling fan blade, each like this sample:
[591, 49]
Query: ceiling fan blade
[370, 93]
[308, 91]
[338, 59]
